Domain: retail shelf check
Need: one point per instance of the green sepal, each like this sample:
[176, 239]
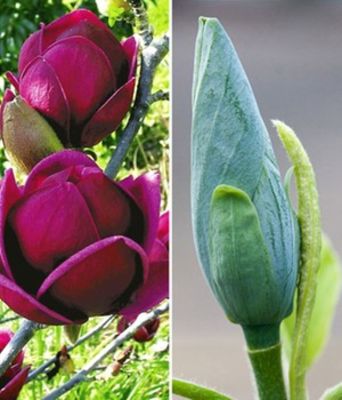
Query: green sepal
[72, 332]
[241, 272]
[27, 136]
[260, 337]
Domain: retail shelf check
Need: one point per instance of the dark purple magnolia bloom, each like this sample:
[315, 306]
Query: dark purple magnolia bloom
[14, 378]
[74, 243]
[78, 75]
[143, 334]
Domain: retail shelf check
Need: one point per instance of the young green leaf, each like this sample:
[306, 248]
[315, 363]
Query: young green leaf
[310, 236]
[327, 294]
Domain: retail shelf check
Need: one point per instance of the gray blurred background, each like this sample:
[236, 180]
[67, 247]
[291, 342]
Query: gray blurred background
[292, 53]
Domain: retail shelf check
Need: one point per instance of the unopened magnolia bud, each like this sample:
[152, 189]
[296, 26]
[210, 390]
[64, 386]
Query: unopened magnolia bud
[27, 136]
[246, 232]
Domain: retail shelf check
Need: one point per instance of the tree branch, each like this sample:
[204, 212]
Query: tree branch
[160, 95]
[143, 27]
[21, 337]
[11, 319]
[82, 339]
[81, 376]
[150, 59]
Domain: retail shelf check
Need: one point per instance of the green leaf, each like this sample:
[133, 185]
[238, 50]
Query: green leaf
[327, 294]
[193, 391]
[333, 393]
[159, 16]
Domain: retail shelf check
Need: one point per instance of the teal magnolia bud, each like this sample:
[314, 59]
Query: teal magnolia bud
[27, 136]
[246, 233]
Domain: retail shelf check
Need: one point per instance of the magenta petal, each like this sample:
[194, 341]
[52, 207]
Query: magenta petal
[12, 371]
[31, 48]
[57, 178]
[51, 224]
[42, 90]
[9, 195]
[131, 48]
[145, 190]
[55, 163]
[108, 117]
[87, 78]
[15, 366]
[69, 21]
[159, 252]
[11, 390]
[8, 96]
[27, 306]
[155, 290]
[13, 79]
[163, 228]
[86, 24]
[110, 210]
[5, 336]
[94, 280]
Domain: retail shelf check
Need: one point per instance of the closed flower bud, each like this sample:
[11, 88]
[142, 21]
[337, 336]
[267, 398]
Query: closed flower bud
[246, 233]
[27, 136]
[143, 334]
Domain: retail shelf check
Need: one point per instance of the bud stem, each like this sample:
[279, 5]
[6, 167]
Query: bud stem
[267, 368]
[264, 352]
[261, 337]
